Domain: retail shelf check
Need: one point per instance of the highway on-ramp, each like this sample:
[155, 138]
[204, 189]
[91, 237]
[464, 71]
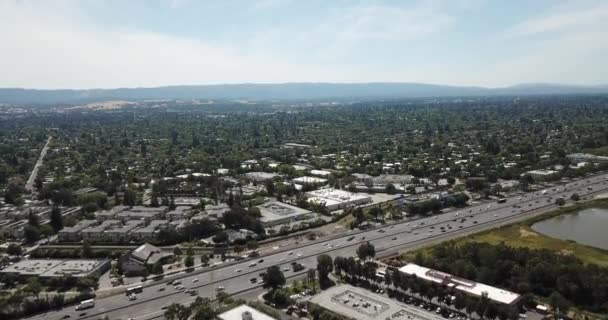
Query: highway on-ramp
[237, 277]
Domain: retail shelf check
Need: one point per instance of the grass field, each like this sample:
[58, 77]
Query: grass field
[522, 235]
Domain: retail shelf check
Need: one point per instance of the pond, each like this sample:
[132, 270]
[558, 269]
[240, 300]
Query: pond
[588, 227]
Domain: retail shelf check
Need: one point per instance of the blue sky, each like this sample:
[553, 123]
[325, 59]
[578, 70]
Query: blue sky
[135, 43]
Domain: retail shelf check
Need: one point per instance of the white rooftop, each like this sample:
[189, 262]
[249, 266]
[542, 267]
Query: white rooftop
[467, 286]
[237, 314]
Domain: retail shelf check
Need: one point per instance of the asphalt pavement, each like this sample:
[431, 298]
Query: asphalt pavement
[238, 277]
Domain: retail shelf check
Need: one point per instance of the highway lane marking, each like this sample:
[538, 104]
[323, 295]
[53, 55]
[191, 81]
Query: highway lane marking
[352, 244]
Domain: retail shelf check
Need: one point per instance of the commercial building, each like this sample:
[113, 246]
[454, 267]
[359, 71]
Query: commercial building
[540, 175]
[135, 262]
[244, 312]
[309, 180]
[275, 213]
[460, 284]
[587, 157]
[335, 199]
[261, 176]
[357, 303]
[53, 268]
[74, 233]
[320, 173]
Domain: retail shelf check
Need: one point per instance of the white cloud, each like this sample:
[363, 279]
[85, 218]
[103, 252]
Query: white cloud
[566, 18]
[43, 49]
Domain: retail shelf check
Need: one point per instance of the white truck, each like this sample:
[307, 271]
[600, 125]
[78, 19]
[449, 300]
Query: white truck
[85, 304]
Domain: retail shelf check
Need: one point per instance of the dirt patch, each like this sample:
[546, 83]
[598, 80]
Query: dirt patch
[523, 233]
[566, 252]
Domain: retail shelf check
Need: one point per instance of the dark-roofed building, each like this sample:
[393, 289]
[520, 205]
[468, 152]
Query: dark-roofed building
[135, 262]
[74, 233]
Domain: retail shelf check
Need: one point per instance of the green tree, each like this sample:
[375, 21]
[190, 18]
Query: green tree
[14, 249]
[56, 219]
[33, 219]
[575, 197]
[189, 261]
[177, 311]
[560, 202]
[558, 303]
[46, 230]
[366, 251]
[31, 233]
[324, 268]
[273, 278]
[33, 287]
[87, 252]
[252, 245]
[157, 268]
[203, 308]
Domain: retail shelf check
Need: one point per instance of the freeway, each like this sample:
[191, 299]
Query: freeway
[238, 277]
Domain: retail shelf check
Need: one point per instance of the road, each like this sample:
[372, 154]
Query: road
[29, 186]
[235, 276]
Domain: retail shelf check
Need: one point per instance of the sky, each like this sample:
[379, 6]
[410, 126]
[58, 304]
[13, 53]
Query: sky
[83, 44]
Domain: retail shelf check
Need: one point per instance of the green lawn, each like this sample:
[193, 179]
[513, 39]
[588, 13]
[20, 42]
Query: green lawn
[522, 235]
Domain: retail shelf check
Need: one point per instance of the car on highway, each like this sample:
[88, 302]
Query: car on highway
[67, 316]
[161, 289]
[238, 270]
[299, 254]
[253, 280]
[253, 264]
[394, 238]
[195, 280]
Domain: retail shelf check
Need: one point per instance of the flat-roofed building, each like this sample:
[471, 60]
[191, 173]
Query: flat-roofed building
[335, 199]
[357, 303]
[244, 312]
[261, 176]
[55, 268]
[275, 213]
[320, 173]
[541, 174]
[463, 285]
[309, 180]
[74, 233]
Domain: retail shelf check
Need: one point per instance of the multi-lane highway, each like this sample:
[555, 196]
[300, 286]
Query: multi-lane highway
[239, 276]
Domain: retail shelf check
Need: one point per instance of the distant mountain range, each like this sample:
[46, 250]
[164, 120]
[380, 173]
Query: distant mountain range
[285, 91]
